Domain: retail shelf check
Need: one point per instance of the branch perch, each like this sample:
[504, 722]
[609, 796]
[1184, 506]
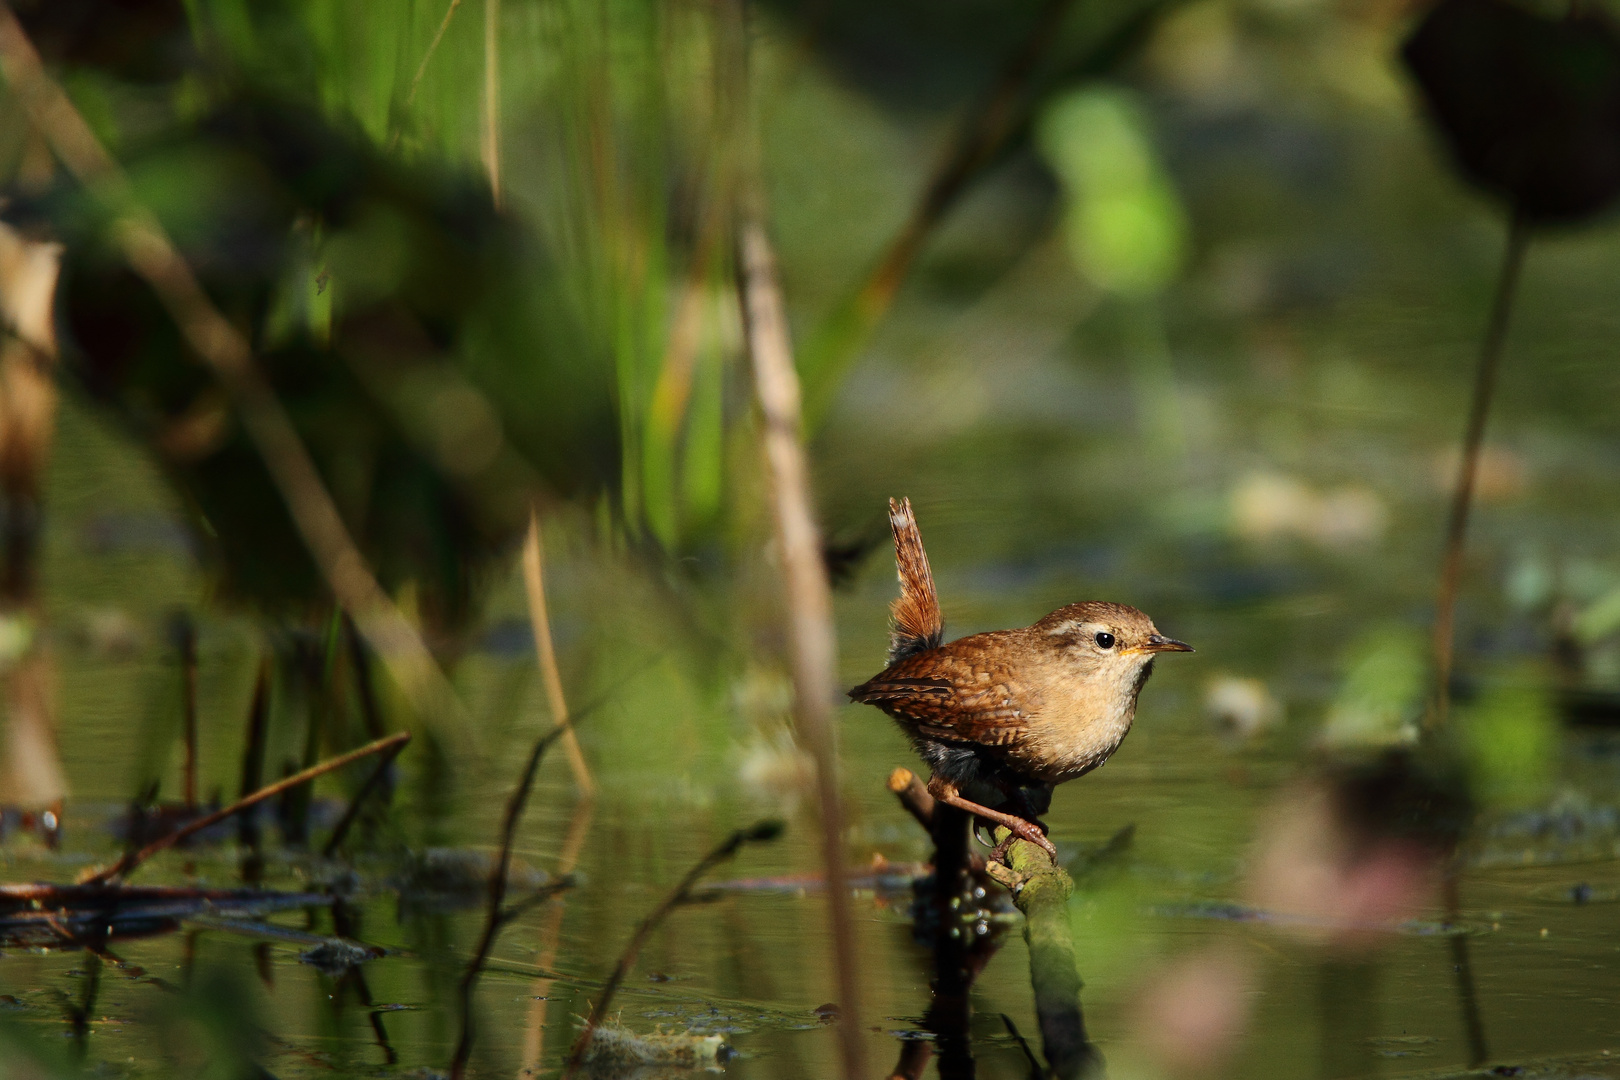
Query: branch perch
[1041, 891]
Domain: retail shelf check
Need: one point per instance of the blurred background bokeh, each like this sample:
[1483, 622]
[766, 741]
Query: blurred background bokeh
[1173, 303]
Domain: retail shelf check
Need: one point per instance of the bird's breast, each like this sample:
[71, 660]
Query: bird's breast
[1077, 731]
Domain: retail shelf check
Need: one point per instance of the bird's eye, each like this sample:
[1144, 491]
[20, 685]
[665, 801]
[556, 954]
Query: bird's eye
[1105, 640]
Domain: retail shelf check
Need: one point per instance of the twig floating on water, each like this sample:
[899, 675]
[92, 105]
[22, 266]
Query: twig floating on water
[758, 833]
[131, 860]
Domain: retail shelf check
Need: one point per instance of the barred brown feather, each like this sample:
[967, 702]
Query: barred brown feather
[917, 623]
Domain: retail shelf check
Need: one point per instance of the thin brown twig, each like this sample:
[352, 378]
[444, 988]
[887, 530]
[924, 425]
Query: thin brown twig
[1462, 499]
[433, 47]
[809, 597]
[913, 795]
[133, 859]
[226, 352]
[546, 654]
[682, 893]
[373, 782]
[495, 909]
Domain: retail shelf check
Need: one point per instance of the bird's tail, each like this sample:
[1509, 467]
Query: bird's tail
[917, 625]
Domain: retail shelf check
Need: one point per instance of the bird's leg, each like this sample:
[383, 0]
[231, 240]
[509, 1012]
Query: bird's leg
[946, 792]
[1022, 804]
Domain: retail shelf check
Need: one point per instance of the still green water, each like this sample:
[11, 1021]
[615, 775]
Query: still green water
[684, 750]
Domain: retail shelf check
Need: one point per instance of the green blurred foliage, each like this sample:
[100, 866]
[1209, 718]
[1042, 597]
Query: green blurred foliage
[1511, 738]
[1377, 704]
[1125, 225]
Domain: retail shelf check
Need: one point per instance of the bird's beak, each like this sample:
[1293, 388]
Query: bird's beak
[1160, 643]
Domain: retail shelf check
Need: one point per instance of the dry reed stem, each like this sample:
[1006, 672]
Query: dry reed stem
[224, 350]
[133, 859]
[1462, 499]
[809, 597]
[546, 654]
[759, 832]
[433, 47]
[495, 914]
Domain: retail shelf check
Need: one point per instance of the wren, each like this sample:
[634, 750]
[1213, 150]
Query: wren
[1014, 711]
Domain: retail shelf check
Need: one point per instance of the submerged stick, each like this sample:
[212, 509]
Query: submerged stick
[1462, 499]
[546, 654]
[1041, 891]
[759, 832]
[495, 914]
[809, 597]
[133, 859]
[223, 349]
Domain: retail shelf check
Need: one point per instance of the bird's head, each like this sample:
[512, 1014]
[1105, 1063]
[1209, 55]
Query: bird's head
[1111, 645]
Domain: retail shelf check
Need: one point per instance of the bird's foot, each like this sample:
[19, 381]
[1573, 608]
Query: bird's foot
[1035, 834]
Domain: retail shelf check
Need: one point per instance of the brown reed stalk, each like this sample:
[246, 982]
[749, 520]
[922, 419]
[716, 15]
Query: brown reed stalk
[759, 832]
[123, 867]
[546, 654]
[809, 597]
[1462, 498]
[227, 353]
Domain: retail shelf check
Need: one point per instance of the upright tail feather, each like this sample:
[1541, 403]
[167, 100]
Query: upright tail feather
[917, 623]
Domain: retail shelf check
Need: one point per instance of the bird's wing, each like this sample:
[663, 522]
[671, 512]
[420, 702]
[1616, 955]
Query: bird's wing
[954, 694]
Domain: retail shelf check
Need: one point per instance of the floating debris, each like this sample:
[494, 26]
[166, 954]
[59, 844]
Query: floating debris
[616, 1050]
[66, 916]
[336, 956]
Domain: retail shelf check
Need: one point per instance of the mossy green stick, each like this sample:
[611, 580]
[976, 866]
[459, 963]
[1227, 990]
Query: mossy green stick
[1041, 890]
